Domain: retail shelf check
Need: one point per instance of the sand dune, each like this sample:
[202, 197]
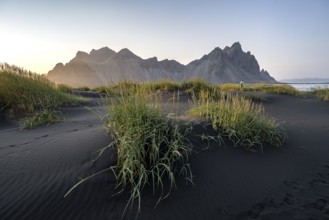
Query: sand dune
[39, 166]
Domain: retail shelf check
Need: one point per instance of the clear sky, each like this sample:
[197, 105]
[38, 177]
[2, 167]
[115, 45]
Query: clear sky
[289, 38]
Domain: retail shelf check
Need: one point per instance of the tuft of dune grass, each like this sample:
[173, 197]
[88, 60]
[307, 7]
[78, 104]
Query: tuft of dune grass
[261, 87]
[150, 146]
[35, 95]
[322, 93]
[240, 120]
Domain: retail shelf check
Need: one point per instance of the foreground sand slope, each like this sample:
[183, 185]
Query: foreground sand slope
[38, 166]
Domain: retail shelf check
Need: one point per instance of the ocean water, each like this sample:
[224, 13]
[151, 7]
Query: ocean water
[309, 86]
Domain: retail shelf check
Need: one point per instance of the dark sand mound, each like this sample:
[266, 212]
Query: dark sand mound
[39, 166]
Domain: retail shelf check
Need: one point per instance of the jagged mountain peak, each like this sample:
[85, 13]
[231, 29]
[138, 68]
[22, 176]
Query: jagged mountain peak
[172, 66]
[152, 59]
[150, 62]
[81, 54]
[215, 53]
[102, 49]
[101, 54]
[244, 60]
[171, 61]
[125, 52]
[59, 65]
[94, 55]
[236, 48]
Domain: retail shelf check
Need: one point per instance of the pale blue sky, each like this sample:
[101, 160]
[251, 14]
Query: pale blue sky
[290, 38]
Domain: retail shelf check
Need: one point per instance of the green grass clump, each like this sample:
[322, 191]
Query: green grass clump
[64, 88]
[322, 93]
[231, 87]
[130, 87]
[196, 85]
[254, 97]
[199, 88]
[261, 87]
[166, 86]
[240, 120]
[41, 117]
[274, 88]
[83, 88]
[102, 89]
[150, 146]
[127, 87]
[35, 95]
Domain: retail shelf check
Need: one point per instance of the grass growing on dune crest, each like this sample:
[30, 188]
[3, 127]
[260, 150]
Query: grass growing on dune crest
[195, 86]
[232, 87]
[150, 146]
[275, 88]
[65, 88]
[240, 120]
[33, 95]
[322, 93]
[260, 87]
[130, 87]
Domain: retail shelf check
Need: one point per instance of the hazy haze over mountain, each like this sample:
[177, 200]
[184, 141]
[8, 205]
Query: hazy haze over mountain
[102, 66]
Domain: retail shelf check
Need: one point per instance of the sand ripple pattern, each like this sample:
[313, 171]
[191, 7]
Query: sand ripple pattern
[38, 167]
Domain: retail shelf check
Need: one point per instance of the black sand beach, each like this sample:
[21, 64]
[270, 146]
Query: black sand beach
[38, 166]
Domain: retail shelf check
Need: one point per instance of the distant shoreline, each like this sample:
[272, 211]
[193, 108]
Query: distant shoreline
[303, 83]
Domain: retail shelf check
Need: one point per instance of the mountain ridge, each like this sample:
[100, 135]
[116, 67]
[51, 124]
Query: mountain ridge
[104, 65]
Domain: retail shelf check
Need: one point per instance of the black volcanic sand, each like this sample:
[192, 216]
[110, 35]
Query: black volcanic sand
[38, 166]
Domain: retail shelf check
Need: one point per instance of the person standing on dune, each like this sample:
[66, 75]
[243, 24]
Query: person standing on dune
[241, 83]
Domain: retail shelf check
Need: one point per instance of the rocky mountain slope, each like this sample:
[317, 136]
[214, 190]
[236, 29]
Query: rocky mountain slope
[102, 66]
